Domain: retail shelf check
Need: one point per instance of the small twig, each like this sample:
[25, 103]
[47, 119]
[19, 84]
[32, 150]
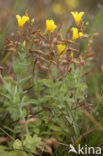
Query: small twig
[60, 143]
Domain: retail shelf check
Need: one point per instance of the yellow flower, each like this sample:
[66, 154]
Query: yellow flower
[71, 55]
[50, 26]
[76, 33]
[61, 50]
[24, 44]
[22, 20]
[77, 16]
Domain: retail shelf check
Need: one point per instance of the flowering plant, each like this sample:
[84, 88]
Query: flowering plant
[44, 94]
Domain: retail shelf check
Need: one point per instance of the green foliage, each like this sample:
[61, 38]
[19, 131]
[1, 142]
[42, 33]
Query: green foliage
[14, 101]
[29, 144]
[52, 104]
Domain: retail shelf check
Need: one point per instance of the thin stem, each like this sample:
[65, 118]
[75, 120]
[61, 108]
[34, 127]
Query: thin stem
[7, 134]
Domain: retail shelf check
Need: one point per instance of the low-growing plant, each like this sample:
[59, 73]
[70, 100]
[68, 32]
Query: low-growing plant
[43, 100]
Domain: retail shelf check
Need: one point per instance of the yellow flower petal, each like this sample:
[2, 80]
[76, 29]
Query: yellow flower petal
[18, 19]
[81, 34]
[61, 50]
[77, 16]
[76, 34]
[25, 19]
[50, 26]
[22, 20]
[71, 55]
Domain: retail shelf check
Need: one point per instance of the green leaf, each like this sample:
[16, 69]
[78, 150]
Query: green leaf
[17, 144]
[75, 126]
[31, 143]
